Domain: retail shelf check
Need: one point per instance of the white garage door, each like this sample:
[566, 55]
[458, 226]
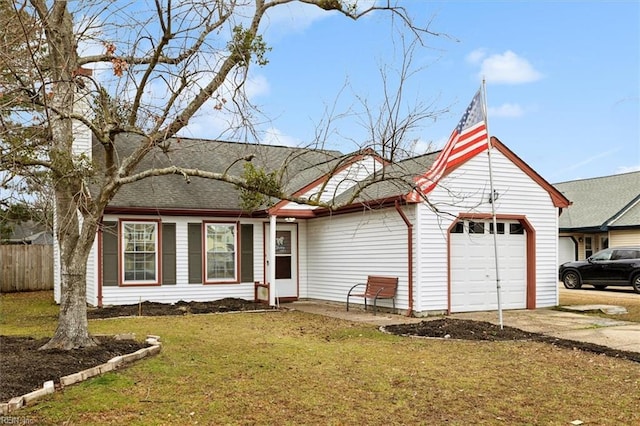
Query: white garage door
[473, 268]
[566, 250]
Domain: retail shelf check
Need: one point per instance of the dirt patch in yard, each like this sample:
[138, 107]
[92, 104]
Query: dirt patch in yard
[448, 328]
[24, 368]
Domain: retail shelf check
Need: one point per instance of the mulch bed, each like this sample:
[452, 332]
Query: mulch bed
[24, 368]
[229, 304]
[448, 328]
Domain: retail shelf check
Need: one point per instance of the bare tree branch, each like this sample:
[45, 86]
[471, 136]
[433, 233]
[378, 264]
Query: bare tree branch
[167, 60]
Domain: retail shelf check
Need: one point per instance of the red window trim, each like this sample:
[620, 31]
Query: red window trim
[121, 281]
[236, 280]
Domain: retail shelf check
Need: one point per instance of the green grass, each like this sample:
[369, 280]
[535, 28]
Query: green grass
[293, 368]
[29, 314]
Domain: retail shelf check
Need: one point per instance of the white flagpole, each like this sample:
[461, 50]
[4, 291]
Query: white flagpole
[492, 199]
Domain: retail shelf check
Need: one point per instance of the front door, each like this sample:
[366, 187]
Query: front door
[286, 267]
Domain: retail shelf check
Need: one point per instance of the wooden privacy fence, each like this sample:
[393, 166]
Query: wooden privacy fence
[26, 268]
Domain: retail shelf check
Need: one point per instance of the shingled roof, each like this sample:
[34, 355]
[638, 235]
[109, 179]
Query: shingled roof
[174, 193]
[398, 179]
[392, 181]
[602, 203]
[300, 167]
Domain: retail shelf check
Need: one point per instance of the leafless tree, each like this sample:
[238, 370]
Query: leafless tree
[156, 66]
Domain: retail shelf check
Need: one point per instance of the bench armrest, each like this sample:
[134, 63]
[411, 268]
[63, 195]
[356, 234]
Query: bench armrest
[349, 294]
[352, 288]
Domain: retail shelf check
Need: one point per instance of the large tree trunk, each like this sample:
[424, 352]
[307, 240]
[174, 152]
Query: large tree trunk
[73, 327]
[75, 241]
[74, 238]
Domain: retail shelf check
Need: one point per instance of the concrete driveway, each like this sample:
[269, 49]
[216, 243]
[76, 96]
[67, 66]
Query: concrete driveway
[622, 335]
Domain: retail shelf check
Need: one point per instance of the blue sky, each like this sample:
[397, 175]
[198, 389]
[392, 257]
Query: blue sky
[563, 78]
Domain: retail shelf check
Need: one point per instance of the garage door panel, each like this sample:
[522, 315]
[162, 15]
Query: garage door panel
[473, 275]
[566, 250]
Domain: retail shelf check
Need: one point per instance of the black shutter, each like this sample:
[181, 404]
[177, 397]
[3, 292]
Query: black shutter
[168, 253]
[110, 253]
[195, 253]
[246, 253]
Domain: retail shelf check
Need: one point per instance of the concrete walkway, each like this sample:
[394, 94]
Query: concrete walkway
[622, 335]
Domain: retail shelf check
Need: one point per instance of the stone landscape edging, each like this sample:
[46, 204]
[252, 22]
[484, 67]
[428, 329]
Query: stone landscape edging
[113, 364]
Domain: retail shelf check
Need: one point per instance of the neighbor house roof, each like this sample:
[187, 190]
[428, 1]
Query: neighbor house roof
[29, 232]
[602, 203]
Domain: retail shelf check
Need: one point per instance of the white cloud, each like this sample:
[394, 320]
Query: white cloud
[507, 68]
[257, 85]
[208, 123]
[295, 18]
[476, 56]
[628, 169]
[506, 110]
[422, 146]
[590, 160]
[291, 18]
[274, 136]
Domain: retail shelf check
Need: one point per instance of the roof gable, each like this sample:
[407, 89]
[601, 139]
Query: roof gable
[399, 178]
[340, 176]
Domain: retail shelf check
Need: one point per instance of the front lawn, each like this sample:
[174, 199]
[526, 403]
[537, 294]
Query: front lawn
[296, 368]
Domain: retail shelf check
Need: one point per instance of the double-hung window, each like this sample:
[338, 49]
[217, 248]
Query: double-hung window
[221, 261]
[140, 252]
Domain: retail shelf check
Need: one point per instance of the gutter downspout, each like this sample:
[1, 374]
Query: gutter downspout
[410, 257]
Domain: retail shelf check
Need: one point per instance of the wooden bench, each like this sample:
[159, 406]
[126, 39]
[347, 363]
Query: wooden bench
[376, 288]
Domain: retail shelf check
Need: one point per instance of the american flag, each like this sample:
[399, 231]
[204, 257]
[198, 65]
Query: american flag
[467, 139]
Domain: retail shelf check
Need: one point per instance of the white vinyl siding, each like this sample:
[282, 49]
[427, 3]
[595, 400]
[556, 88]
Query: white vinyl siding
[303, 260]
[92, 275]
[82, 136]
[345, 249]
[466, 190]
[57, 279]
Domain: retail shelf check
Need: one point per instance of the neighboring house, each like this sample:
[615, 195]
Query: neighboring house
[166, 239]
[28, 232]
[605, 212]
